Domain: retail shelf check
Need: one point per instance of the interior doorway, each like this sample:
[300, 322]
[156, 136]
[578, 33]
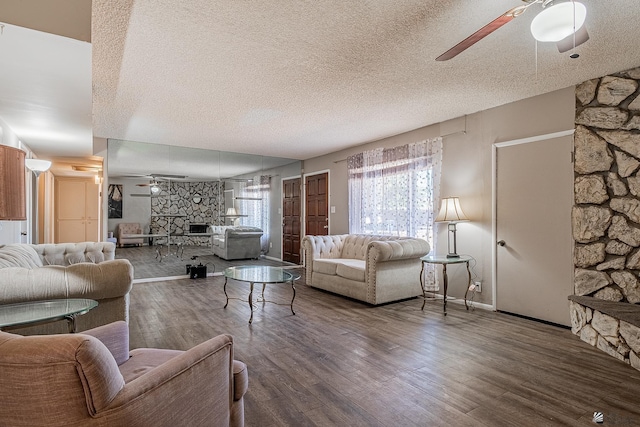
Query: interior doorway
[291, 213]
[317, 204]
[534, 246]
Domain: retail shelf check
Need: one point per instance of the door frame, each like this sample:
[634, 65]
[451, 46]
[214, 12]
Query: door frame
[494, 199]
[282, 180]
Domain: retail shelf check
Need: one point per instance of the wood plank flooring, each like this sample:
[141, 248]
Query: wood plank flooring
[339, 362]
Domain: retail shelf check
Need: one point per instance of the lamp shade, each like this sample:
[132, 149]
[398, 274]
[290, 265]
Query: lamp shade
[37, 165]
[450, 211]
[231, 212]
[558, 21]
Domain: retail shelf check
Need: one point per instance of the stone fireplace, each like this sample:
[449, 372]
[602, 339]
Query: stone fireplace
[605, 309]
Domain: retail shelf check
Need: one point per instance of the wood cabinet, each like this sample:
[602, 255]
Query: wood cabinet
[12, 184]
[77, 210]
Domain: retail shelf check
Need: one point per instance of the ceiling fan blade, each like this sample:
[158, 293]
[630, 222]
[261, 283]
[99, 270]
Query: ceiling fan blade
[140, 195]
[168, 176]
[484, 31]
[566, 44]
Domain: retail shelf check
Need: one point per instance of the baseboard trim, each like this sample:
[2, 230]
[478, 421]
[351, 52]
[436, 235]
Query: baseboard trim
[450, 299]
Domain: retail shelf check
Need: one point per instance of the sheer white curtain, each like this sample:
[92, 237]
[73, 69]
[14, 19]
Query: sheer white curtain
[395, 191]
[254, 202]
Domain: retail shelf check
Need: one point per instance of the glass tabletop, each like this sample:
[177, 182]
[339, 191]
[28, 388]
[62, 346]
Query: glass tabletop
[443, 259]
[260, 274]
[26, 313]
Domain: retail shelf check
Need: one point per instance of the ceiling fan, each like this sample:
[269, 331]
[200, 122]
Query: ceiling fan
[560, 22]
[154, 184]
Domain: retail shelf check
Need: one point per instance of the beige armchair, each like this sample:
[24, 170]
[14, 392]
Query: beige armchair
[91, 379]
[125, 228]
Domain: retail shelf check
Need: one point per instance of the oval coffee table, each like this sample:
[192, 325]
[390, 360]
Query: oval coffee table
[38, 312]
[260, 274]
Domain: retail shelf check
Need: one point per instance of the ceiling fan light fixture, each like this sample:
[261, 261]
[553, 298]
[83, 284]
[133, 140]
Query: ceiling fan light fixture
[558, 21]
[155, 188]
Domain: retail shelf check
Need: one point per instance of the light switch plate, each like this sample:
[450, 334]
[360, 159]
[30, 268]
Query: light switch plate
[333, 209]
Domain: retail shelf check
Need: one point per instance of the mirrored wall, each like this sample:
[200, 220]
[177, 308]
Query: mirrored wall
[180, 192]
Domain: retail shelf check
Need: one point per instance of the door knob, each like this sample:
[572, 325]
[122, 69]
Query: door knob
[326, 226]
[501, 243]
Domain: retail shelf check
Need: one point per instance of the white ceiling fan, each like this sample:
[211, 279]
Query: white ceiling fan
[561, 22]
[154, 184]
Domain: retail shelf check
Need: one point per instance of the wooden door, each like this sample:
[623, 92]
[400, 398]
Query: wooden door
[291, 206]
[317, 205]
[12, 184]
[534, 267]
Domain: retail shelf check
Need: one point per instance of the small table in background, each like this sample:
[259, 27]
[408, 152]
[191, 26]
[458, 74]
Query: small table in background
[260, 274]
[444, 261]
[38, 312]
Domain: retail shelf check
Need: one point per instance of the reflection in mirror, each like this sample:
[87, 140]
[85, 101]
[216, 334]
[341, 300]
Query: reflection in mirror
[183, 197]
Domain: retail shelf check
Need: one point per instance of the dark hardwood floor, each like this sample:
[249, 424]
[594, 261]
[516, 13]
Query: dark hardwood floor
[339, 362]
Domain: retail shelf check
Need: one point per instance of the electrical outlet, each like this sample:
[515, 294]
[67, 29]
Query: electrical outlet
[478, 286]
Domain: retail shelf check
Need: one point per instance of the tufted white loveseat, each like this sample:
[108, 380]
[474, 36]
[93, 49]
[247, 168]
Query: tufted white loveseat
[67, 270]
[373, 269]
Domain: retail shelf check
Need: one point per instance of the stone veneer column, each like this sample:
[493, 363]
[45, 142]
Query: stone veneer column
[606, 213]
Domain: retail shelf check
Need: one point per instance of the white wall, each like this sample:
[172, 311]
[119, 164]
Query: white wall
[466, 171]
[134, 209]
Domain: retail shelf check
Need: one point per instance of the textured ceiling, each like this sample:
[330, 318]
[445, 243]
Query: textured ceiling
[301, 79]
[291, 79]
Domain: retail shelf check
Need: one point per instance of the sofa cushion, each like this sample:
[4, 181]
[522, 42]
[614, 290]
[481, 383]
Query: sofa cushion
[351, 269]
[348, 268]
[326, 265]
[142, 360]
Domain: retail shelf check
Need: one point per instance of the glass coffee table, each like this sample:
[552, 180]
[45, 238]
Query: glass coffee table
[39, 312]
[260, 274]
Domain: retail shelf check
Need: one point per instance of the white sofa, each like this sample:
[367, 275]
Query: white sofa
[236, 242]
[67, 270]
[369, 268]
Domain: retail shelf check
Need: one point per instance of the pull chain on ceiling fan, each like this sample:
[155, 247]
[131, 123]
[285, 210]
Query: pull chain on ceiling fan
[560, 22]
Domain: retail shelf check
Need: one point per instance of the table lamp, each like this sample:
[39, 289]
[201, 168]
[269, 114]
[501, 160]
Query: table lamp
[232, 214]
[451, 212]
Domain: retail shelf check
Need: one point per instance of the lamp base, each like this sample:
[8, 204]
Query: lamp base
[453, 256]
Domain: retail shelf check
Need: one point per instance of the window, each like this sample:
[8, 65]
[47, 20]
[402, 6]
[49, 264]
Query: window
[395, 191]
[254, 202]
